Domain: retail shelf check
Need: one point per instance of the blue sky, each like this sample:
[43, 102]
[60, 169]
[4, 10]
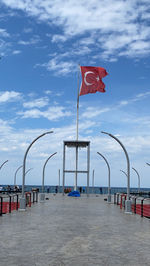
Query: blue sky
[41, 45]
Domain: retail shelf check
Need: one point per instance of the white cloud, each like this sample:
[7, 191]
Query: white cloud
[16, 52]
[40, 102]
[48, 92]
[137, 97]
[52, 113]
[28, 30]
[58, 38]
[34, 40]
[4, 33]
[60, 67]
[120, 27]
[8, 96]
[92, 112]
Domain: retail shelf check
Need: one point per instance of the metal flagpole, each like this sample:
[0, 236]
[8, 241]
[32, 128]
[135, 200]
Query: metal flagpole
[77, 126]
[77, 104]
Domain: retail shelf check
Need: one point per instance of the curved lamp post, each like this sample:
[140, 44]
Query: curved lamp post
[16, 174]
[128, 201]
[124, 172]
[28, 171]
[22, 200]
[3, 164]
[109, 194]
[18, 170]
[138, 179]
[42, 196]
[148, 164]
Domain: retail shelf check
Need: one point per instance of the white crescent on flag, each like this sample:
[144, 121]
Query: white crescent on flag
[85, 75]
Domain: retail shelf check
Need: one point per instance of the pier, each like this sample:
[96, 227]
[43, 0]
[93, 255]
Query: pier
[74, 231]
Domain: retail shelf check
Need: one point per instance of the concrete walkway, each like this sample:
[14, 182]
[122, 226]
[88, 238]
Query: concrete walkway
[74, 231]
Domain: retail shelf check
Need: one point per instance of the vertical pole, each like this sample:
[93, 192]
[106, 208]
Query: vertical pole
[77, 133]
[64, 154]
[76, 173]
[59, 180]
[77, 123]
[88, 167]
[93, 182]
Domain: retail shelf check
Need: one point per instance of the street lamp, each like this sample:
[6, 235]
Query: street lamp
[16, 174]
[128, 201]
[42, 195]
[148, 164]
[124, 172]
[138, 178]
[109, 192]
[28, 171]
[22, 200]
[3, 164]
[93, 182]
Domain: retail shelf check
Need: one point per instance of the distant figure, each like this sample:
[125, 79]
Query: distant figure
[100, 189]
[15, 188]
[80, 189]
[56, 189]
[48, 190]
[8, 189]
[83, 190]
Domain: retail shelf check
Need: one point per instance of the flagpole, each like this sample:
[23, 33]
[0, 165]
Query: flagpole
[77, 124]
[77, 133]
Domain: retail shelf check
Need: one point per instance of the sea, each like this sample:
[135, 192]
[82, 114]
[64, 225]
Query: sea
[83, 189]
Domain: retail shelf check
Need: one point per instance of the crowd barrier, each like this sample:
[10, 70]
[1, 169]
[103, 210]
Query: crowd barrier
[139, 205]
[10, 202]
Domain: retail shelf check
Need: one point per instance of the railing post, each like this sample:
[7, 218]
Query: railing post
[1, 209]
[33, 196]
[9, 203]
[142, 208]
[117, 198]
[114, 198]
[17, 203]
[135, 205]
[36, 196]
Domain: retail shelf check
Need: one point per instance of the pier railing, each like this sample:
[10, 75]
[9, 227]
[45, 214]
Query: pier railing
[139, 205]
[10, 202]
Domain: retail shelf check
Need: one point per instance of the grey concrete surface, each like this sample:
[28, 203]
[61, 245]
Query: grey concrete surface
[74, 231]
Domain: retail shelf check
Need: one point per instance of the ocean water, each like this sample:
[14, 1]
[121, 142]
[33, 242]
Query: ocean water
[95, 190]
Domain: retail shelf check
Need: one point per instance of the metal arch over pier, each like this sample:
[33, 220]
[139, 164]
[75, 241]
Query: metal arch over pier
[76, 144]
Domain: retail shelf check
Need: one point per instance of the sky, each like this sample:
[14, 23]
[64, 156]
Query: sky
[42, 44]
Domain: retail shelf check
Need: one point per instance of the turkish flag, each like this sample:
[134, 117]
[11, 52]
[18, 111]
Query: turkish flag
[92, 79]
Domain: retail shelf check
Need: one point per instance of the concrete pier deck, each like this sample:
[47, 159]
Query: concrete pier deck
[74, 231]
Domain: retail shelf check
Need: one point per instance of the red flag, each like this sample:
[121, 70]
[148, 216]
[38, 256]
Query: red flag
[92, 79]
